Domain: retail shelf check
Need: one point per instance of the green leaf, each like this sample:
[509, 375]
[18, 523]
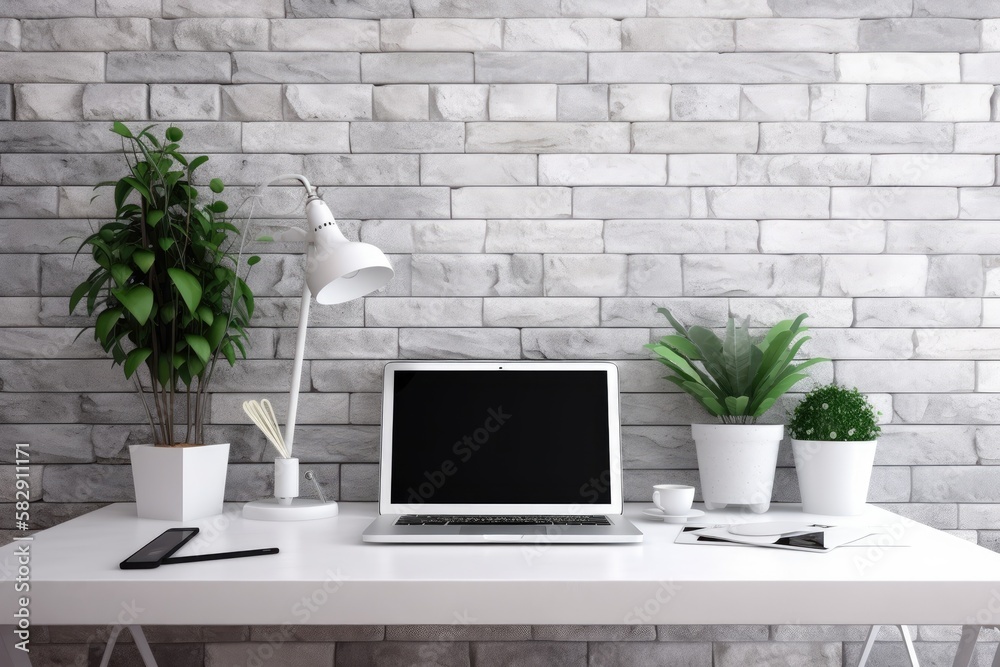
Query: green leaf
[265, 239]
[105, 323]
[253, 260]
[163, 370]
[710, 348]
[764, 406]
[94, 292]
[248, 300]
[197, 162]
[195, 367]
[167, 313]
[78, 294]
[166, 243]
[737, 357]
[737, 405]
[134, 359]
[218, 207]
[794, 326]
[177, 156]
[139, 187]
[200, 347]
[216, 331]
[757, 409]
[121, 274]
[227, 350]
[702, 395]
[138, 300]
[683, 346]
[101, 252]
[216, 185]
[772, 353]
[673, 322]
[677, 363]
[153, 217]
[143, 259]
[174, 134]
[206, 315]
[188, 286]
[119, 128]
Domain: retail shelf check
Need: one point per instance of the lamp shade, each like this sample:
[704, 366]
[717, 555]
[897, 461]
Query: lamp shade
[338, 270]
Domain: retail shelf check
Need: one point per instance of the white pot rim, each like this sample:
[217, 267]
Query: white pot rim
[777, 430]
[837, 442]
[185, 446]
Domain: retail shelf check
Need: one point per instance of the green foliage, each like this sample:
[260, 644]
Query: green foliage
[166, 294]
[834, 413]
[736, 379]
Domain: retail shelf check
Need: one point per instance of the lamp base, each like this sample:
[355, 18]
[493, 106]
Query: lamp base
[301, 509]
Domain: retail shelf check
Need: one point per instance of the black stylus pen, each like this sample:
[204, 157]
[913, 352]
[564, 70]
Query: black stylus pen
[220, 556]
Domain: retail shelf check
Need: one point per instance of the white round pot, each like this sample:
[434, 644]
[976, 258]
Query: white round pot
[179, 483]
[833, 476]
[736, 463]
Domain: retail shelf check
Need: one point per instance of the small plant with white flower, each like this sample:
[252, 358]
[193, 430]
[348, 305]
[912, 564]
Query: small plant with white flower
[833, 413]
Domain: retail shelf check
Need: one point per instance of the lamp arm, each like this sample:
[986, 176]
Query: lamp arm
[300, 349]
[310, 190]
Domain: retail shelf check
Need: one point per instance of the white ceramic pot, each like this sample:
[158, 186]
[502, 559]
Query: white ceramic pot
[736, 463]
[179, 483]
[834, 476]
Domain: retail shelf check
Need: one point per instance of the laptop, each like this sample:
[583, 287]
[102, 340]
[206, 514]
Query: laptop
[500, 452]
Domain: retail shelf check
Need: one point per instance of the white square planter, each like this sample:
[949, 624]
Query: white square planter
[179, 483]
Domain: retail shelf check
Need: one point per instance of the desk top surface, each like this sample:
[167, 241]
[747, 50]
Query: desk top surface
[74, 569]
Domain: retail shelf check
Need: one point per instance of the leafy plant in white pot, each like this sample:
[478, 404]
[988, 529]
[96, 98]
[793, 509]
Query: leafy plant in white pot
[736, 380]
[169, 303]
[834, 435]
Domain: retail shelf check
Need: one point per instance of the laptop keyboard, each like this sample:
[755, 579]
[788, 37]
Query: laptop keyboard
[422, 520]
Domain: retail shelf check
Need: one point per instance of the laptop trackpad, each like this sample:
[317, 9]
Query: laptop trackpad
[502, 530]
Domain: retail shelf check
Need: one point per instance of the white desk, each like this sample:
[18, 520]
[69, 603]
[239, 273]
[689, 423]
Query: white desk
[326, 575]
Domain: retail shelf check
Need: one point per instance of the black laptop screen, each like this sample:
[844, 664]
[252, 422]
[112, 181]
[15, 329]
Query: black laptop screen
[500, 437]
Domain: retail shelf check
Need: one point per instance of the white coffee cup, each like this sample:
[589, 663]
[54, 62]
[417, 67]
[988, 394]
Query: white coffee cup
[673, 499]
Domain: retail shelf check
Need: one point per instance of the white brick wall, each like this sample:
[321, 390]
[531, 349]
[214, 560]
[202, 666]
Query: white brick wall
[543, 174]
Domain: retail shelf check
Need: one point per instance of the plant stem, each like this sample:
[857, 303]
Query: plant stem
[145, 405]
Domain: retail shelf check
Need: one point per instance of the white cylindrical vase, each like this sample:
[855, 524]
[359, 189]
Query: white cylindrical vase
[834, 476]
[286, 480]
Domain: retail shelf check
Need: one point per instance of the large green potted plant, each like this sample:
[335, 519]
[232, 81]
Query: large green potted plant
[736, 380]
[834, 434]
[169, 303]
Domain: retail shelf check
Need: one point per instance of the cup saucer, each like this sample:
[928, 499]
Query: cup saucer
[656, 513]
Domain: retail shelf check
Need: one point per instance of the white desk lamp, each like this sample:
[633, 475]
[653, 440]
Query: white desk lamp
[337, 270]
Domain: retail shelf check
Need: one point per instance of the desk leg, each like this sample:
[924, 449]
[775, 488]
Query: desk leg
[910, 649]
[967, 645]
[18, 658]
[140, 643]
[870, 644]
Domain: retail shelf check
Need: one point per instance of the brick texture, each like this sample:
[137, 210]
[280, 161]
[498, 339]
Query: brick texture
[542, 173]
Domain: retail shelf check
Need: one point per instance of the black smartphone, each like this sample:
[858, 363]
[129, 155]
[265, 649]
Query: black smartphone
[163, 546]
